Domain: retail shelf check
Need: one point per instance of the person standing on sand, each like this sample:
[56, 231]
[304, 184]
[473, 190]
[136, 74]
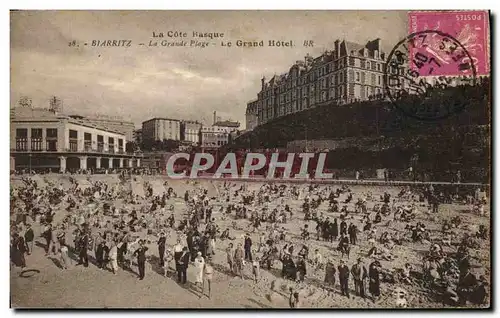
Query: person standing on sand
[65, 259]
[209, 271]
[19, 250]
[248, 248]
[182, 264]
[230, 257]
[83, 245]
[113, 257]
[335, 229]
[374, 286]
[256, 269]
[141, 259]
[161, 248]
[344, 278]
[177, 252]
[29, 238]
[359, 274]
[238, 261]
[99, 254]
[47, 234]
[199, 264]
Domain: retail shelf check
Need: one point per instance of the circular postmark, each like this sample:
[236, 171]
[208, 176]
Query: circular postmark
[426, 75]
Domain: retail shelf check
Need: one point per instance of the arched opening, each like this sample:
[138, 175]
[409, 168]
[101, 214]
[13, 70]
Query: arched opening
[72, 163]
[105, 163]
[91, 163]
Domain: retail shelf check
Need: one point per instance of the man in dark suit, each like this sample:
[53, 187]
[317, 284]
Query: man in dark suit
[343, 228]
[344, 278]
[99, 254]
[29, 238]
[20, 245]
[141, 259]
[83, 245]
[161, 248]
[359, 274]
[182, 265]
[248, 248]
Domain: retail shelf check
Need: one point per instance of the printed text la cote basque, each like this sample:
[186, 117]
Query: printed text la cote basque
[193, 34]
[202, 37]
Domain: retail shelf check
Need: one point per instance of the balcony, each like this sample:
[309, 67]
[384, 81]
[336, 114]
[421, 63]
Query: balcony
[87, 145]
[96, 151]
[21, 144]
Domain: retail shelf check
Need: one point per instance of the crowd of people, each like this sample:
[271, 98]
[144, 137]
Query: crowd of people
[118, 229]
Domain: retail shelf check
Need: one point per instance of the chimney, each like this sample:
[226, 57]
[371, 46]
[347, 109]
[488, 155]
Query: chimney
[337, 48]
[215, 117]
[262, 82]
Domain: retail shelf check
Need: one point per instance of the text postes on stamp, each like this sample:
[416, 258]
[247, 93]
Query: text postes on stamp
[469, 28]
[412, 80]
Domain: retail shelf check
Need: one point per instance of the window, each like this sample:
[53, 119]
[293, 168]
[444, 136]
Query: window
[100, 143]
[378, 67]
[36, 139]
[87, 137]
[36, 133]
[73, 140]
[22, 133]
[21, 139]
[51, 133]
[357, 77]
[351, 61]
[379, 80]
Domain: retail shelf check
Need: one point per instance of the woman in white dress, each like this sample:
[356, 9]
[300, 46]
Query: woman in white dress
[199, 264]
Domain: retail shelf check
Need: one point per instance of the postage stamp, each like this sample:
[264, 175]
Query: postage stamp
[250, 159]
[470, 29]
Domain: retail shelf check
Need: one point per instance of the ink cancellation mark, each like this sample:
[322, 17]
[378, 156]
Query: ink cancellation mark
[410, 79]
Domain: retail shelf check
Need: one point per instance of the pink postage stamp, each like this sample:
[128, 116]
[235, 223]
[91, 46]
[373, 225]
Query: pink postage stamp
[468, 31]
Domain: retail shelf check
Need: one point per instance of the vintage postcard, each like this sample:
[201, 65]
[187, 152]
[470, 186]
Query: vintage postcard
[250, 159]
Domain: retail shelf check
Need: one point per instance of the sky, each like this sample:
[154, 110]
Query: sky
[140, 82]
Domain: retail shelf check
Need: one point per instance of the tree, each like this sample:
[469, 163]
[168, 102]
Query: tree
[131, 147]
[25, 101]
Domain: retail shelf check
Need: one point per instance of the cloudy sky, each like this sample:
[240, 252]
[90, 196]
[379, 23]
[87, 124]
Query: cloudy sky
[141, 82]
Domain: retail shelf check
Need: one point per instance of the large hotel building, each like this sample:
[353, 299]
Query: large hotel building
[351, 72]
[42, 139]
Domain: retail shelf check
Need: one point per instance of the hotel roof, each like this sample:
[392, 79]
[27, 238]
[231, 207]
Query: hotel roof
[41, 114]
